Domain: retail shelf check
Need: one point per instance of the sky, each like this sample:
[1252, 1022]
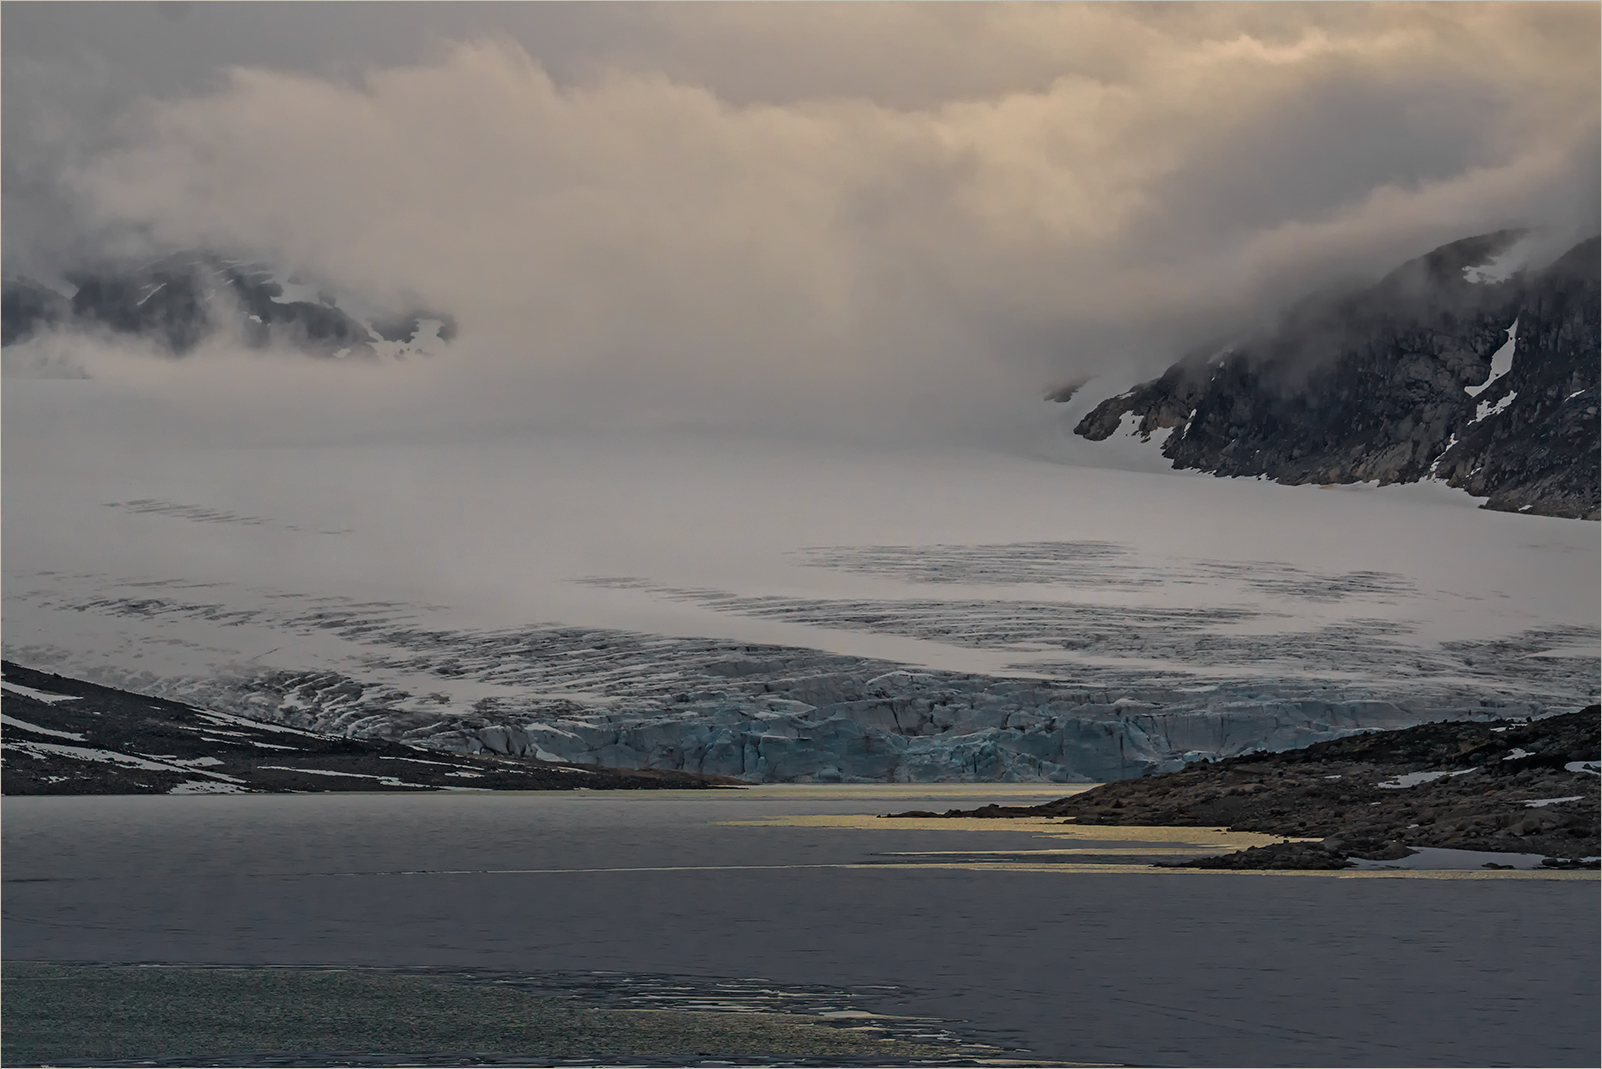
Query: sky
[897, 219]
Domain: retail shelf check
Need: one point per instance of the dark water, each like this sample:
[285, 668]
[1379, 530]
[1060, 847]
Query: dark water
[1131, 966]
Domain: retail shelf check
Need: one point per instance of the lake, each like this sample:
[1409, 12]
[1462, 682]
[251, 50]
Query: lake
[1057, 940]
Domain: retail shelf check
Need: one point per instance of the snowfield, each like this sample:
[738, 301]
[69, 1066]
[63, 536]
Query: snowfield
[778, 609]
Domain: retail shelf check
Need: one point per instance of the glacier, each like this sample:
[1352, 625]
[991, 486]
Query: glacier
[779, 610]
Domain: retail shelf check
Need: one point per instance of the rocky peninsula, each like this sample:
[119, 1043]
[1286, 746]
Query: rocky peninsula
[1514, 786]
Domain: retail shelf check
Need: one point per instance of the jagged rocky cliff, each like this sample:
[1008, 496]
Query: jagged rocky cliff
[1452, 367]
[178, 301]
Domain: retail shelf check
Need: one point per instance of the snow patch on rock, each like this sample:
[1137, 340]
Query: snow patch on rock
[1485, 409]
[11, 721]
[36, 695]
[1501, 362]
[1413, 779]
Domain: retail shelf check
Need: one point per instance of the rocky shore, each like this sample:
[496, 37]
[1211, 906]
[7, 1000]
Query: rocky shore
[1513, 786]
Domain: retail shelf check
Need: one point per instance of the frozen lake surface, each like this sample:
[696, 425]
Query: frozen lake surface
[1081, 953]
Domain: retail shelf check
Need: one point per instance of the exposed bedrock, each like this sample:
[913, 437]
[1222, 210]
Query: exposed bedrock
[176, 302]
[1401, 382]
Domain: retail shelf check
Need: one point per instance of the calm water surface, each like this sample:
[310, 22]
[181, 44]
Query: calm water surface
[1081, 953]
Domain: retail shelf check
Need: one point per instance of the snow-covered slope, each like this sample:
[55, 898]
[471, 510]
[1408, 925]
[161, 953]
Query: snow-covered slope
[774, 610]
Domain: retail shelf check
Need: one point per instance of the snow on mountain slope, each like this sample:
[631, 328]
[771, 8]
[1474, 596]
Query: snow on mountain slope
[1400, 382]
[779, 611]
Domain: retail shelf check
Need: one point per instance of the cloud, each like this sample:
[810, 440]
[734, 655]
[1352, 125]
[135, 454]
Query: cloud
[897, 215]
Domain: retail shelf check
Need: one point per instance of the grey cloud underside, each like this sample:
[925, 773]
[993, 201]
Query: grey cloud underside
[1127, 691]
[1232, 128]
[1375, 386]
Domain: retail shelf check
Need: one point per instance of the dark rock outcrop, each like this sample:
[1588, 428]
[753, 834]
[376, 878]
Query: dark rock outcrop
[1301, 856]
[178, 301]
[1384, 385]
[26, 308]
[1513, 786]
[1538, 453]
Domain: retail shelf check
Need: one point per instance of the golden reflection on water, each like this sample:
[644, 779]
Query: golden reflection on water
[956, 795]
[1340, 874]
[1137, 843]
[1202, 839]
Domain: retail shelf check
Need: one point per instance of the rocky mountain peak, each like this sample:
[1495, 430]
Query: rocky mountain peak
[1395, 383]
[177, 301]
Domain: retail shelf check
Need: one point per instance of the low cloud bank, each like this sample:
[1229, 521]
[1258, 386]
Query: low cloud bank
[728, 226]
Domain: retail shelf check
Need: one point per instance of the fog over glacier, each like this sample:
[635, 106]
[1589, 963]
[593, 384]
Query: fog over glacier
[757, 309]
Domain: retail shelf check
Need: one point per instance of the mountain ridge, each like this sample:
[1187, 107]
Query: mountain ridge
[1394, 383]
[178, 301]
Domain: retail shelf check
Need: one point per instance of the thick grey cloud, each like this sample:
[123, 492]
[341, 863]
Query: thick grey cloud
[895, 213]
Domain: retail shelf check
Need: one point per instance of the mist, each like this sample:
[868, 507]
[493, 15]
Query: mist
[891, 222]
